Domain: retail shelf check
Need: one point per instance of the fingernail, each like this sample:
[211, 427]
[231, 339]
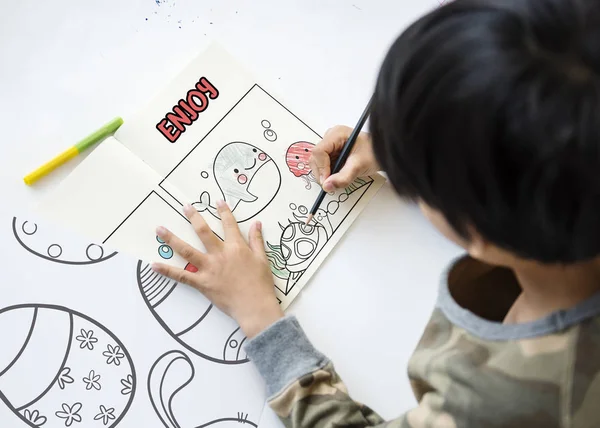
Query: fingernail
[259, 226]
[221, 204]
[155, 267]
[188, 209]
[161, 231]
[327, 186]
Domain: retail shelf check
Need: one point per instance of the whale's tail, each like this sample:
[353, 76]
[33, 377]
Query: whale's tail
[170, 374]
[204, 204]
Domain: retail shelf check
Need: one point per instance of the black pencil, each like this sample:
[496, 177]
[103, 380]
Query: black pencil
[341, 160]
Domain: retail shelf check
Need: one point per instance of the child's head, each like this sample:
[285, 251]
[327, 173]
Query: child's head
[488, 113]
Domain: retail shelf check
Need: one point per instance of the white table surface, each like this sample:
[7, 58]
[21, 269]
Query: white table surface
[67, 66]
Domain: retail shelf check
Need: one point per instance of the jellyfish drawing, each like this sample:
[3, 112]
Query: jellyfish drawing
[297, 159]
[236, 167]
[170, 374]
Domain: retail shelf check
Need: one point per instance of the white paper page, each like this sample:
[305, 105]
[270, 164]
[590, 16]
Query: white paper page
[81, 342]
[110, 197]
[278, 188]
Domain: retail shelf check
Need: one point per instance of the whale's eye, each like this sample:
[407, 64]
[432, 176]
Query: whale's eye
[297, 157]
[236, 170]
[306, 150]
[254, 150]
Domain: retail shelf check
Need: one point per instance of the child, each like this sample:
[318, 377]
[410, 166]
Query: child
[487, 114]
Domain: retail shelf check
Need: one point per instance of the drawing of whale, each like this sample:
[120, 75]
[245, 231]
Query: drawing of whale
[234, 169]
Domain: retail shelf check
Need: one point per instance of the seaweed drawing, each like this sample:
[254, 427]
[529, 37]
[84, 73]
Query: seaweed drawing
[300, 243]
[169, 375]
[298, 246]
[57, 352]
[277, 261]
[46, 246]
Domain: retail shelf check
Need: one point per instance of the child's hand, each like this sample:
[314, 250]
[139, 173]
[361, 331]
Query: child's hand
[233, 275]
[360, 163]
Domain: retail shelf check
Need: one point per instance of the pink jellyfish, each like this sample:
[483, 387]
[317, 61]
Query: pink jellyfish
[297, 157]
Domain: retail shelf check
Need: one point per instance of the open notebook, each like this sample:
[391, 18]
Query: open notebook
[213, 133]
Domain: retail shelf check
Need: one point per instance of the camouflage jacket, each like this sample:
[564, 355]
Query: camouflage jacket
[469, 369]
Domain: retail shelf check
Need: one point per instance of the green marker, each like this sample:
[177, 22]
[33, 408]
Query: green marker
[72, 152]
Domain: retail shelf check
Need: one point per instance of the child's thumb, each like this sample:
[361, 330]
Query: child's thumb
[340, 179]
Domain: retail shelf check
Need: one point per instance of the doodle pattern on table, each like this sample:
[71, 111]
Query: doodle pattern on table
[62, 355]
[301, 243]
[28, 234]
[169, 375]
[200, 328]
[234, 167]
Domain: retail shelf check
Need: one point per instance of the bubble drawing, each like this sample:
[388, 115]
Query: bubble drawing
[164, 250]
[269, 134]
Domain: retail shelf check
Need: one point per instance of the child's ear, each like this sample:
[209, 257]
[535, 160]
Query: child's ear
[477, 246]
[481, 249]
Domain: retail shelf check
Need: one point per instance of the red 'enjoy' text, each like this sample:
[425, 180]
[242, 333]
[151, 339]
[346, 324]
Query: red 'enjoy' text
[187, 110]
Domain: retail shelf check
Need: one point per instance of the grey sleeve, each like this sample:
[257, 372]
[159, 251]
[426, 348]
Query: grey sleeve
[303, 386]
[282, 353]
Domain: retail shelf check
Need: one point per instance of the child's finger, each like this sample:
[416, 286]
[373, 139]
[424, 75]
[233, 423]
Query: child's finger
[343, 178]
[257, 243]
[327, 150]
[202, 229]
[179, 275]
[230, 226]
[320, 164]
[181, 247]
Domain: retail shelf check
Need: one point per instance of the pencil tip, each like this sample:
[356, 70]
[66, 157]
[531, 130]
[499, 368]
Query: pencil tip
[309, 218]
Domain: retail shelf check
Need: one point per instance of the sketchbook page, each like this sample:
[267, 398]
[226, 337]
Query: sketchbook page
[216, 133]
[185, 110]
[110, 197]
[83, 346]
[256, 159]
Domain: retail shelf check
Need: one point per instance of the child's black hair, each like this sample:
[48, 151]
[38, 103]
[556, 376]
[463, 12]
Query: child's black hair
[489, 111]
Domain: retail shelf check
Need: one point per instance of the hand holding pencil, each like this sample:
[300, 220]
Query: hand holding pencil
[341, 157]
